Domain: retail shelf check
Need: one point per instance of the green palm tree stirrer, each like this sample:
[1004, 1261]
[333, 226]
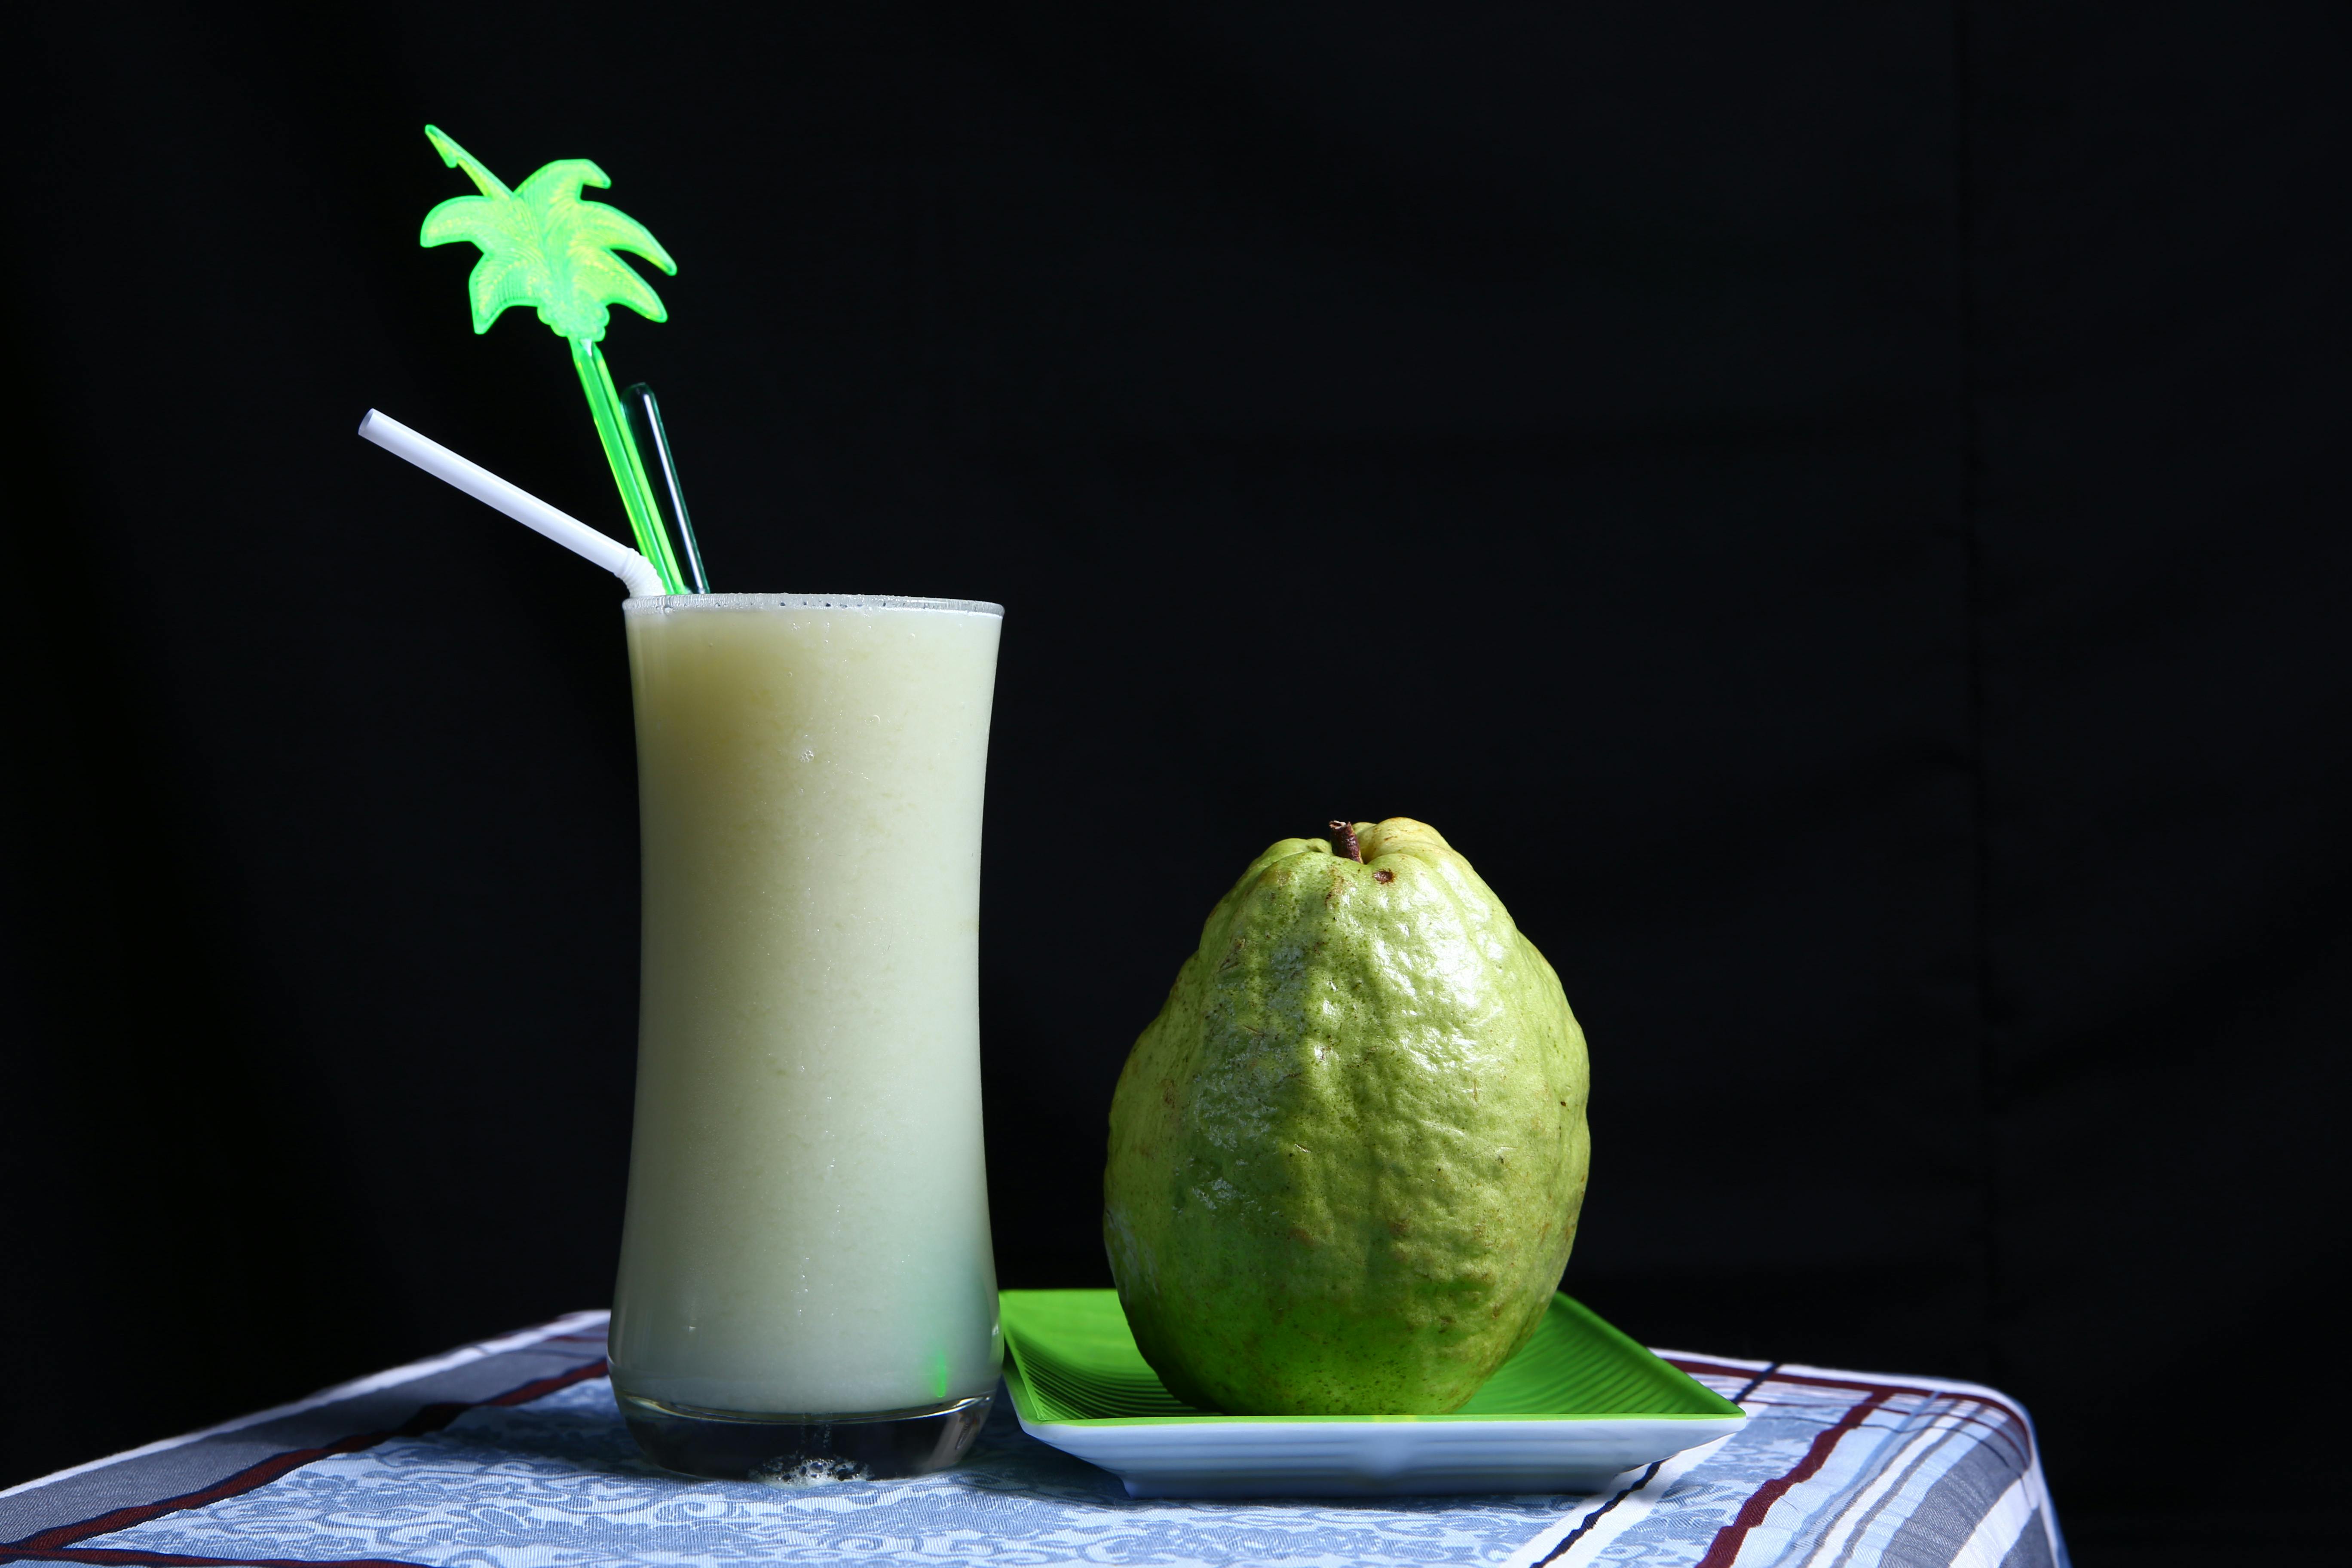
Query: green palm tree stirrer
[545, 246]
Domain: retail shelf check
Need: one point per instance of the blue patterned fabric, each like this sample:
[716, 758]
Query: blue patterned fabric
[527, 1466]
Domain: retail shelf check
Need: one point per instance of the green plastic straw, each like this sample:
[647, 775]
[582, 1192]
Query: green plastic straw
[646, 424]
[544, 245]
[628, 464]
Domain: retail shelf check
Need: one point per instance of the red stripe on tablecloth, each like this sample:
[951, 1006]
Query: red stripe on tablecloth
[2012, 1431]
[431, 1418]
[538, 1388]
[1696, 1364]
[103, 1554]
[1726, 1543]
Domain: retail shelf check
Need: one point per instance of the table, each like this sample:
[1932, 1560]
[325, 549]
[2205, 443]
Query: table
[509, 1454]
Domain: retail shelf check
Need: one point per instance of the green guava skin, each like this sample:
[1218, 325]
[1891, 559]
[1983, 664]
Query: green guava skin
[1346, 1159]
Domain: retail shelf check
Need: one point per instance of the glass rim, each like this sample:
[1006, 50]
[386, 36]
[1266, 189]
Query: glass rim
[670, 604]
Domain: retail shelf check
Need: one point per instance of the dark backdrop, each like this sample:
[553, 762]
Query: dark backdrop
[1838, 509]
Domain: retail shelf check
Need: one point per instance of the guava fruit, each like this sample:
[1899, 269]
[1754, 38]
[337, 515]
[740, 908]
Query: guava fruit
[1347, 1158]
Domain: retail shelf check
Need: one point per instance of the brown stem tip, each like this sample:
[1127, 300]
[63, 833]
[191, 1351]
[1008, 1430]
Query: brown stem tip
[1343, 842]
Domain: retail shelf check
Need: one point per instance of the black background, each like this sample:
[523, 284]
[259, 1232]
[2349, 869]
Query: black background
[1839, 510]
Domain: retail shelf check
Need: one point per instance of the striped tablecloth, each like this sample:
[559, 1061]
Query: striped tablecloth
[509, 1454]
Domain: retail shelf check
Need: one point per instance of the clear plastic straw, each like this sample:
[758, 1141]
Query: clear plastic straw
[520, 505]
[646, 424]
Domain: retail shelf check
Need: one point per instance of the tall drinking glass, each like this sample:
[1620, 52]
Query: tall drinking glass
[807, 1286]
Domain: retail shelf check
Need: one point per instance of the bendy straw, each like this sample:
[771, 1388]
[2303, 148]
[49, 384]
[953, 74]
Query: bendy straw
[543, 246]
[646, 424]
[520, 505]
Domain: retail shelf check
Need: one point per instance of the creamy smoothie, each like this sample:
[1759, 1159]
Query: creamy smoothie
[807, 1227]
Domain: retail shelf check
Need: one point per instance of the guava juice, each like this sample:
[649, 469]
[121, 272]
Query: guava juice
[807, 1224]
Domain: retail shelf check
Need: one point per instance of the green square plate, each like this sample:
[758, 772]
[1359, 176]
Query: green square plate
[1579, 1406]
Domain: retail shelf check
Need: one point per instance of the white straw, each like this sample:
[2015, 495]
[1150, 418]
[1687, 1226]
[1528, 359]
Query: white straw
[520, 505]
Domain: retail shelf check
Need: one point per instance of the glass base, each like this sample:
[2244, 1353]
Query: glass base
[736, 1446]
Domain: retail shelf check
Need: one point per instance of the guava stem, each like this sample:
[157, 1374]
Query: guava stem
[1343, 841]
